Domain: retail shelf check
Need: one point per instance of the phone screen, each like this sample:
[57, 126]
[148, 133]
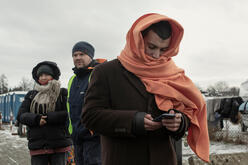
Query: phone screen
[164, 116]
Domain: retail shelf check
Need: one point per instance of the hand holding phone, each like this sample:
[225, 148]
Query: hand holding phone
[164, 116]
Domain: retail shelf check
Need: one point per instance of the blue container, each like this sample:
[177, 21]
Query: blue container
[5, 108]
[1, 104]
[10, 103]
[18, 98]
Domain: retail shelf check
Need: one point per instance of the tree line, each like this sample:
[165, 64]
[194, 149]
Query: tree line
[220, 88]
[25, 84]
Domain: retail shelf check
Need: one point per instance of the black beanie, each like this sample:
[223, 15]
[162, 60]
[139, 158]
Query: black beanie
[45, 69]
[84, 47]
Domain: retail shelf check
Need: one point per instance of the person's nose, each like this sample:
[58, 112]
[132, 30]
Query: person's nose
[77, 57]
[42, 76]
[156, 54]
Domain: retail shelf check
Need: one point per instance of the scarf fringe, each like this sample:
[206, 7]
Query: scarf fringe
[45, 100]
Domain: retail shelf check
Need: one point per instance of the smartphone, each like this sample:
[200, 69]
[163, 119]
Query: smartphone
[164, 116]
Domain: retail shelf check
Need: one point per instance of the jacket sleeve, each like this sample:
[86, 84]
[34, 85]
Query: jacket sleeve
[138, 124]
[98, 113]
[24, 115]
[60, 116]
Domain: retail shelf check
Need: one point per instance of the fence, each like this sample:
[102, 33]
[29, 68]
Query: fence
[225, 120]
[230, 133]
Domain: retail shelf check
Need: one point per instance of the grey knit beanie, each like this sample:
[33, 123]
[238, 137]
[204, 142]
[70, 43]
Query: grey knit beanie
[45, 69]
[84, 47]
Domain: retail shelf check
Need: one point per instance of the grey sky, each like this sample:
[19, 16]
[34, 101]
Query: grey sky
[214, 46]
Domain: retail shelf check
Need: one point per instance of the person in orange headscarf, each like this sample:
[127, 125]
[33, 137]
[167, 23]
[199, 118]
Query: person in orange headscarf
[126, 95]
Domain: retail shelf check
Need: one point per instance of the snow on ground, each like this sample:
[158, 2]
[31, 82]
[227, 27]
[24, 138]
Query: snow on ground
[13, 149]
[218, 148]
[17, 141]
[230, 131]
[215, 148]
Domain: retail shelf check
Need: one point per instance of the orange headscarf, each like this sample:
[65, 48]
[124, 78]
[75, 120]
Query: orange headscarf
[172, 89]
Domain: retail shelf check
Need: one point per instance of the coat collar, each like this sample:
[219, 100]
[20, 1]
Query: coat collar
[136, 82]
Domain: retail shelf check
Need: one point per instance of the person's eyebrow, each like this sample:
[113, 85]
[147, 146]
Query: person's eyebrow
[152, 44]
[165, 47]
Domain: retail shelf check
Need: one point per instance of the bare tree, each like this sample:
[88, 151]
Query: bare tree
[234, 91]
[3, 84]
[221, 86]
[26, 84]
[211, 90]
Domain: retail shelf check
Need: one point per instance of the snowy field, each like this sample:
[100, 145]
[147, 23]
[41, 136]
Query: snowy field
[13, 149]
[215, 148]
[232, 132]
